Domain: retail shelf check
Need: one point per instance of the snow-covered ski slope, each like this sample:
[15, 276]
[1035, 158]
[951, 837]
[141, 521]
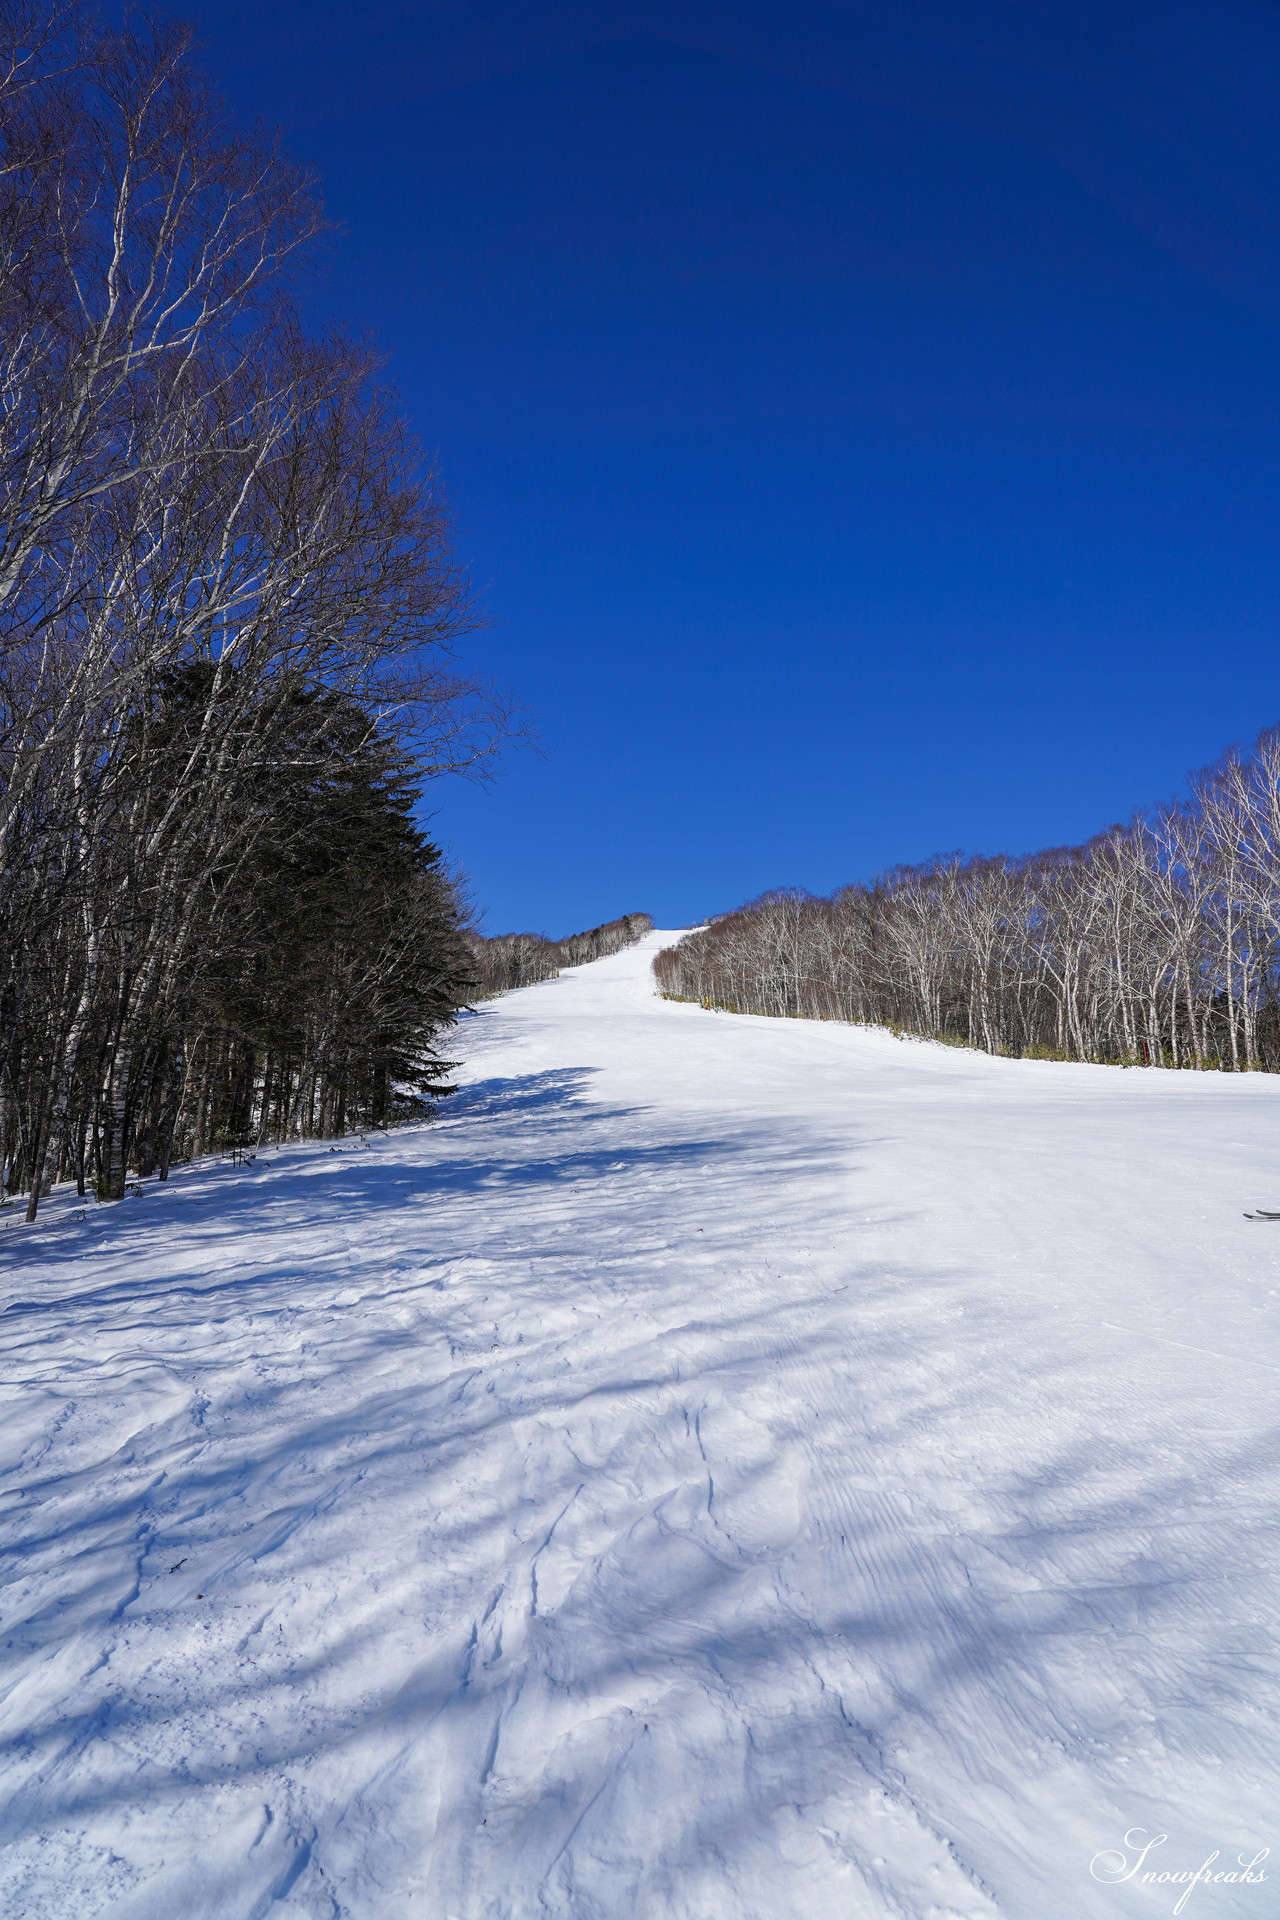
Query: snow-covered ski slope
[726, 1468]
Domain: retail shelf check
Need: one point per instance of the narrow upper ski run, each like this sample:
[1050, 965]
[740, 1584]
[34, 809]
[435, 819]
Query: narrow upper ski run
[725, 1468]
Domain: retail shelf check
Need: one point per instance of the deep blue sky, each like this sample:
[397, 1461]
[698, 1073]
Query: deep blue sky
[864, 420]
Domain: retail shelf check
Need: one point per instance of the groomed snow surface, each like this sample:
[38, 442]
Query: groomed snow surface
[726, 1468]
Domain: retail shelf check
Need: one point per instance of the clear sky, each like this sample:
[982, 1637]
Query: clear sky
[862, 419]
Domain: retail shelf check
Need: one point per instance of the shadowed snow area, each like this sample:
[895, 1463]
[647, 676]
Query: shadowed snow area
[726, 1468]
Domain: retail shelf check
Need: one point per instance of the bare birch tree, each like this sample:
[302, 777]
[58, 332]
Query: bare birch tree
[1154, 944]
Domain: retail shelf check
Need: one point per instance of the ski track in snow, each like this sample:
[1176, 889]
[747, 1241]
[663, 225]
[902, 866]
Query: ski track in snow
[725, 1469]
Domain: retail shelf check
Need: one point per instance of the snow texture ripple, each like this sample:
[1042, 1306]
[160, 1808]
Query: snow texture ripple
[726, 1469]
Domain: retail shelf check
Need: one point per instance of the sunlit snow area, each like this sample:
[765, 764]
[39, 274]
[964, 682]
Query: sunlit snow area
[725, 1468]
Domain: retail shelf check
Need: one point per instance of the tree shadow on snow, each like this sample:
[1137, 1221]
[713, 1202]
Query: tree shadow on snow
[217, 1208]
[1091, 1593]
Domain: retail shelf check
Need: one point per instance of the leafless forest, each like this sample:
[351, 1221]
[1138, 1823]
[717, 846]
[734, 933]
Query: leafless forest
[226, 602]
[508, 960]
[1154, 944]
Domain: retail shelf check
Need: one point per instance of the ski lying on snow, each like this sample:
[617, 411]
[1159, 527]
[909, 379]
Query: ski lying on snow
[1260, 1213]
